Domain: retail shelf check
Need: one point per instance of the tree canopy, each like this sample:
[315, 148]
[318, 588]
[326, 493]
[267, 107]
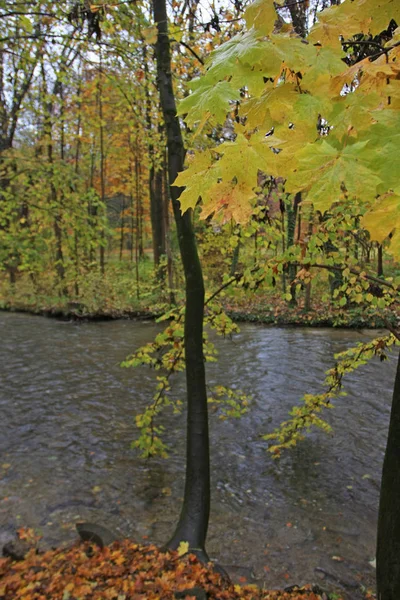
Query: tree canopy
[309, 111]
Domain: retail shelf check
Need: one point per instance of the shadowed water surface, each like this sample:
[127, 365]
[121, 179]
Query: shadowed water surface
[67, 421]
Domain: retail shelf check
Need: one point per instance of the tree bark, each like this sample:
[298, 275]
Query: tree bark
[155, 175]
[193, 522]
[388, 545]
[102, 162]
[379, 270]
[292, 211]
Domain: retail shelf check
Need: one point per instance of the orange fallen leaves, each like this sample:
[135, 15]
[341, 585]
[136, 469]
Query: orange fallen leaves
[124, 570]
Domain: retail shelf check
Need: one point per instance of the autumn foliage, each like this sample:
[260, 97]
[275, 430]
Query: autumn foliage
[123, 571]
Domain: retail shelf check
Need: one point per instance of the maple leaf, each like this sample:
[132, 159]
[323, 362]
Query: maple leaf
[375, 15]
[323, 170]
[350, 115]
[231, 201]
[222, 62]
[150, 34]
[262, 15]
[197, 179]
[337, 23]
[381, 221]
[183, 548]
[384, 139]
[213, 99]
[243, 158]
[326, 65]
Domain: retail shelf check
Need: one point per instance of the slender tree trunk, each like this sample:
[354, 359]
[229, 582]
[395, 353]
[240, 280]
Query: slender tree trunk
[380, 261]
[57, 221]
[77, 159]
[139, 206]
[236, 252]
[388, 545]
[156, 213]
[132, 226]
[282, 209]
[102, 164]
[155, 177]
[121, 239]
[292, 211]
[307, 296]
[92, 210]
[193, 522]
[167, 232]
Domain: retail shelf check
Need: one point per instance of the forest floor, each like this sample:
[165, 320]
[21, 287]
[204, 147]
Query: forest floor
[128, 571]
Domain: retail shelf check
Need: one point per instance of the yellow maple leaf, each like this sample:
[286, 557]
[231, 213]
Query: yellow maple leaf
[183, 548]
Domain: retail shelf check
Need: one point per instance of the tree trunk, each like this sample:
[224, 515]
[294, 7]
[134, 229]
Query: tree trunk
[380, 261]
[102, 162]
[155, 176]
[156, 213]
[292, 211]
[167, 231]
[121, 239]
[298, 14]
[193, 522]
[388, 545]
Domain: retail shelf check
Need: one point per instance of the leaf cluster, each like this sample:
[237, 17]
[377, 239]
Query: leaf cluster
[306, 415]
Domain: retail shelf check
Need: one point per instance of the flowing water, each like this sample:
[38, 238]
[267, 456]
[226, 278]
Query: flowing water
[67, 421]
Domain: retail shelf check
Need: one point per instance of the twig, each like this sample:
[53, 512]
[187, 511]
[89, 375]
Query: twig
[201, 61]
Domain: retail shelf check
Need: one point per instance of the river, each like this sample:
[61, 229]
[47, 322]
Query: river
[67, 422]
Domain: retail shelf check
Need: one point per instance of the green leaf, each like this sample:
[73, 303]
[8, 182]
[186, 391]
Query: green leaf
[197, 179]
[324, 171]
[212, 100]
[262, 15]
[383, 219]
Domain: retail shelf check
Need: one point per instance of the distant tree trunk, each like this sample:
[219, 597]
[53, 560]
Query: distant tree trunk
[102, 162]
[155, 177]
[132, 225]
[121, 239]
[307, 295]
[57, 220]
[157, 213]
[137, 253]
[139, 207]
[388, 544]
[379, 269]
[193, 522]
[167, 232]
[298, 14]
[282, 209]
[236, 253]
[292, 211]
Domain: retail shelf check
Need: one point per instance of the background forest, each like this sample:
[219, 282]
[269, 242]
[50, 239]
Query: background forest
[86, 225]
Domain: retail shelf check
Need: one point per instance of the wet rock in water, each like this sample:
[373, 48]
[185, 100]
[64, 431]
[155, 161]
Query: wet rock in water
[343, 581]
[16, 549]
[195, 592]
[92, 532]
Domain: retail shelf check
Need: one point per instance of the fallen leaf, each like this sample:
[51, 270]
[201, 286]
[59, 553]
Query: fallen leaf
[183, 548]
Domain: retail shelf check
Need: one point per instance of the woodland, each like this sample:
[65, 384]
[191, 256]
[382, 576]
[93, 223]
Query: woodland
[202, 164]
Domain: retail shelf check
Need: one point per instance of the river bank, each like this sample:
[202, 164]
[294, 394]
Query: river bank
[274, 312]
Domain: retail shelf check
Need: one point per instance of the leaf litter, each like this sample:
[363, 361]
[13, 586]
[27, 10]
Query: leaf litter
[124, 571]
